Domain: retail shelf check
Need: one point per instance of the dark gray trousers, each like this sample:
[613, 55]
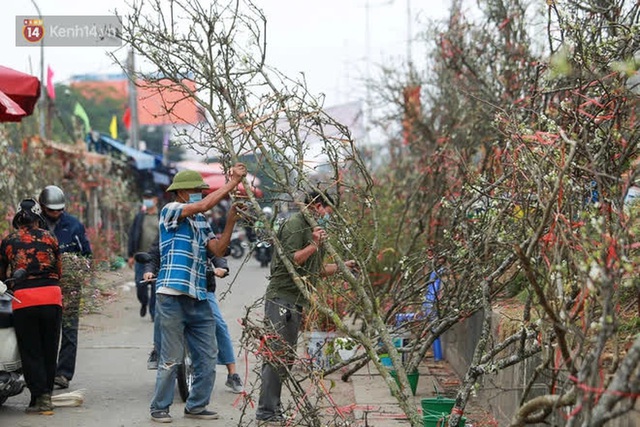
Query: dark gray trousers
[283, 320]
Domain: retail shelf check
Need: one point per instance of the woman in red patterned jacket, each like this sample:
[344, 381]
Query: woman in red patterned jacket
[37, 313]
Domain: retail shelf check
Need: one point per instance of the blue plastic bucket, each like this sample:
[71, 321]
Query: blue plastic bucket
[437, 350]
[386, 360]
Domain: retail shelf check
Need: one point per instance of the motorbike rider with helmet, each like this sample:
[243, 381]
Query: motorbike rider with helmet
[37, 306]
[72, 239]
[263, 249]
[218, 219]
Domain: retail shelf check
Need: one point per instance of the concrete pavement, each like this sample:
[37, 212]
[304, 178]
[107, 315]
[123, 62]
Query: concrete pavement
[374, 404]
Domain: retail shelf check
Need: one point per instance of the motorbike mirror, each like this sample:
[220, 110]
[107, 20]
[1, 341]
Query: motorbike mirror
[142, 257]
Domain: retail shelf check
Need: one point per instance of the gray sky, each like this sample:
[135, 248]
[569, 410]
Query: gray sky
[327, 40]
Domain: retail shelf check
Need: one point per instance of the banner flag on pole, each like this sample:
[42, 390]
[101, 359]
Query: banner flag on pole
[79, 111]
[113, 127]
[126, 118]
[51, 91]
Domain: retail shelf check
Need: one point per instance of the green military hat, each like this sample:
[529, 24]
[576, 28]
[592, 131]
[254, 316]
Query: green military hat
[187, 180]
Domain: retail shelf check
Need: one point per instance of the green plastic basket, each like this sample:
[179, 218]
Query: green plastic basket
[437, 405]
[441, 420]
[412, 377]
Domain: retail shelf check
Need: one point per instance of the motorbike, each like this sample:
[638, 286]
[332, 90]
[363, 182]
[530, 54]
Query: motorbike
[11, 380]
[185, 374]
[237, 245]
[263, 252]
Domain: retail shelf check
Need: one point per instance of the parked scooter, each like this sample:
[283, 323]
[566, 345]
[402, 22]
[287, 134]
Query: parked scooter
[11, 380]
[255, 232]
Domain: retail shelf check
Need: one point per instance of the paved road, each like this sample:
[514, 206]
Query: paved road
[112, 363]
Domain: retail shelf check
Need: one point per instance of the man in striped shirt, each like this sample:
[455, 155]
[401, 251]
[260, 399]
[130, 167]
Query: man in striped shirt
[182, 309]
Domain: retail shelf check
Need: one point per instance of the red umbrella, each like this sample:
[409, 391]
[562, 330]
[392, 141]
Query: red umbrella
[23, 89]
[217, 180]
[9, 110]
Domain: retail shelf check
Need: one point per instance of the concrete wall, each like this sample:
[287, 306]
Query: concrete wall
[501, 392]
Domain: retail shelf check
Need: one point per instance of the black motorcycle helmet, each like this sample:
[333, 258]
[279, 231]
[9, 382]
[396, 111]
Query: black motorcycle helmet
[28, 212]
[52, 197]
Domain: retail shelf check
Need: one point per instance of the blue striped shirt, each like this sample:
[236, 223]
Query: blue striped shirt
[183, 252]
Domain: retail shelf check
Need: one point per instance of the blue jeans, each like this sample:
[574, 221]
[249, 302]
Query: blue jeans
[225, 346]
[184, 319]
[68, 345]
[226, 355]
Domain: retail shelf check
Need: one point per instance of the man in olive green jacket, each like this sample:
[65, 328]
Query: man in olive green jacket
[284, 302]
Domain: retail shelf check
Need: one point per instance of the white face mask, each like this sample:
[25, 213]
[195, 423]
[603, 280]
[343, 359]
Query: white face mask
[148, 203]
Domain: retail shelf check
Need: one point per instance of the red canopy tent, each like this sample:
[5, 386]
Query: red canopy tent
[217, 181]
[10, 111]
[20, 88]
[213, 174]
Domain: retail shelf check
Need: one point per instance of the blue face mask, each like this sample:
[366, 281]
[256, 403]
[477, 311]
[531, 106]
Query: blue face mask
[324, 220]
[195, 197]
[148, 203]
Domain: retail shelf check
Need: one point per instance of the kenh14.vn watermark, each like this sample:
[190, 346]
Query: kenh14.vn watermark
[65, 30]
